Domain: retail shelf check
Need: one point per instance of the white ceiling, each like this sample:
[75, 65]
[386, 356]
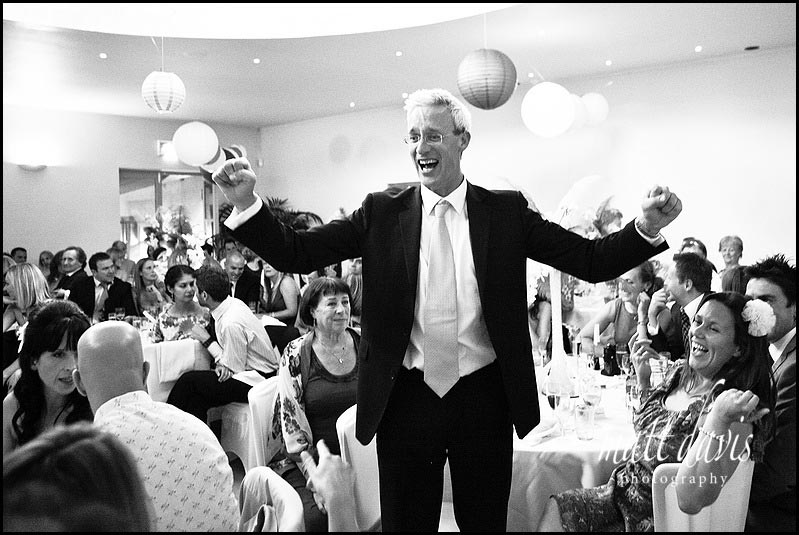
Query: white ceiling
[306, 77]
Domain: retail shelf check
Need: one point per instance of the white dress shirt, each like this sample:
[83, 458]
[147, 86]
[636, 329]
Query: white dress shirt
[779, 346]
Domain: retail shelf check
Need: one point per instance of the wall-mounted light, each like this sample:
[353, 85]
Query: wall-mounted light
[33, 167]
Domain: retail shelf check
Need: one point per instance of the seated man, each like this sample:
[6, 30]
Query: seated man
[185, 470]
[103, 292]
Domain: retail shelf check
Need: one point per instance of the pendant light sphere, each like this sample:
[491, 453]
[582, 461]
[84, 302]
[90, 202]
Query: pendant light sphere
[486, 78]
[548, 109]
[196, 143]
[597, 107]
[163, 91]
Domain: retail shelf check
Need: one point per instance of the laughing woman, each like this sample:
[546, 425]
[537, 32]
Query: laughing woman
[45, 395]
[719, 404]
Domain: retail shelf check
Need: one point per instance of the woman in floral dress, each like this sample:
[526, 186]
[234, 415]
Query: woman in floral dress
[175, 322]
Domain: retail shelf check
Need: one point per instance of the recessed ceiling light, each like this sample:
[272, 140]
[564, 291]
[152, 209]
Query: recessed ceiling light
[398, 53]
[256, 60]
[352, 104]
[698, 48]
[608, 62]
[103, 55]
[405, 95]
[530, 75]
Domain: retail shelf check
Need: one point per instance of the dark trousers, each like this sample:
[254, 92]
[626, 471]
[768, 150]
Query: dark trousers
[197, 391]
[419, 431]
[315, 520]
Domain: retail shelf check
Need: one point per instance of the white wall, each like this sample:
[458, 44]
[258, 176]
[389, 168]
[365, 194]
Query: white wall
[720, 132]
[75, 201]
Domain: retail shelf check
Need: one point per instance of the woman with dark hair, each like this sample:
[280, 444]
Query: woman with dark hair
[176, 321]
[45, 394]
[75, 478]
[711, 412]
[317, 381]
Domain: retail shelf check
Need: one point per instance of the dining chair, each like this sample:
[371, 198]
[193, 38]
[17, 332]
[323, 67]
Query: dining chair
[727, 513]
[267, 502]
[363, 460]
[235, 435]
[262, 448]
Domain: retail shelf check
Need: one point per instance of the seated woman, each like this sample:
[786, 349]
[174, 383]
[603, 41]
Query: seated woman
[45, 395]
[625, 311]
[318, 378]
[148, 290]
[707, 414]
[176, 321]
[280, 295]
[45, 258]
[27, 288]
[77, 478]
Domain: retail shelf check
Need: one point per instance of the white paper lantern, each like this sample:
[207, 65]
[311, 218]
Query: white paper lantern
[163, 91]
[597, 107]
[547, 109]
[196, 143]
[486, 78]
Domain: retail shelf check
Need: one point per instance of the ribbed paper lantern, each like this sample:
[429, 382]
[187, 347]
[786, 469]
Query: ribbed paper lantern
[163, 91]
[486, 78]
[196, 143]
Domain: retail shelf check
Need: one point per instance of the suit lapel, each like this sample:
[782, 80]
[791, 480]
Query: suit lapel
[410, 224]
[791, 347]
[479, 230]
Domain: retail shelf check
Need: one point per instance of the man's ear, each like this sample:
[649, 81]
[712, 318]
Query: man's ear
[466, 137]
[78, 382]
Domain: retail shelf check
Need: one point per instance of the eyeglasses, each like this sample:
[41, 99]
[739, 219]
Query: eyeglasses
[431, 139]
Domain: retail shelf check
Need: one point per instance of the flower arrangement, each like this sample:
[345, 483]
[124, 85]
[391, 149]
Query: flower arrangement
[760, 316]
[172, 224]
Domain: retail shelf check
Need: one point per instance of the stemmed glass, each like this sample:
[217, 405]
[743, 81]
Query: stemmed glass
[623, 359]
[590, 391]
[574, 338]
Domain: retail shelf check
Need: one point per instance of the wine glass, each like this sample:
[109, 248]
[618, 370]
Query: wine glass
[590, 391]
[623, 359]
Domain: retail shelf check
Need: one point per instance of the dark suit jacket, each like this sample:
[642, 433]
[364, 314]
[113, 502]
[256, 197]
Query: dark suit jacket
[248, 287]
[66, 283]
[670, 339]
[772, 502]
[385, 231]
[120, 294]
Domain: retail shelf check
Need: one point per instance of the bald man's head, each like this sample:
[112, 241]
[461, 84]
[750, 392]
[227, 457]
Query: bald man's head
[110, 362]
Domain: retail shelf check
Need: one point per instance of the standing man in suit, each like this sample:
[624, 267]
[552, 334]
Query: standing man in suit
[244, 284]
[772, 502]
[686, 282]
[406, 393]
[102, 292]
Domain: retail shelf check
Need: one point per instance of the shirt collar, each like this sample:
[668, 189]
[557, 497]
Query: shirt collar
[223, 306]
[691, 308]
[779, 346]
[457, 198]
[98, 283]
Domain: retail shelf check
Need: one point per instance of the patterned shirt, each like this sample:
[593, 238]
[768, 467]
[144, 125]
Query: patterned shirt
[185, 470]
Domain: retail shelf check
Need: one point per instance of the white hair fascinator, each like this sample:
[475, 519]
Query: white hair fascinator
[760, 317]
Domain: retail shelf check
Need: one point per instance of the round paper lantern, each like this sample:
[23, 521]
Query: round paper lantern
[163, 91]
[597, 107]
[195, 143]
[486, 78]
[580, 112]
[548, 109]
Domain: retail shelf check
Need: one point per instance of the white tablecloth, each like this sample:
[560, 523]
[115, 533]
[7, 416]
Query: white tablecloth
[548, 465]
[168, 360]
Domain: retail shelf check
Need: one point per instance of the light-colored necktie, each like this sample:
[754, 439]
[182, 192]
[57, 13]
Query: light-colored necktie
[100, 303]
[441, 310]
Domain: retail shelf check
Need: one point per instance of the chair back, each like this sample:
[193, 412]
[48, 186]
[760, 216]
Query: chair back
[261, 399]
[727, 513]
[267, 502]
[363, 460]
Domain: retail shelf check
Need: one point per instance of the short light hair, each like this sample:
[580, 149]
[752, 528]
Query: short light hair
[731, 240]
[424, 98]
[29, 285]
